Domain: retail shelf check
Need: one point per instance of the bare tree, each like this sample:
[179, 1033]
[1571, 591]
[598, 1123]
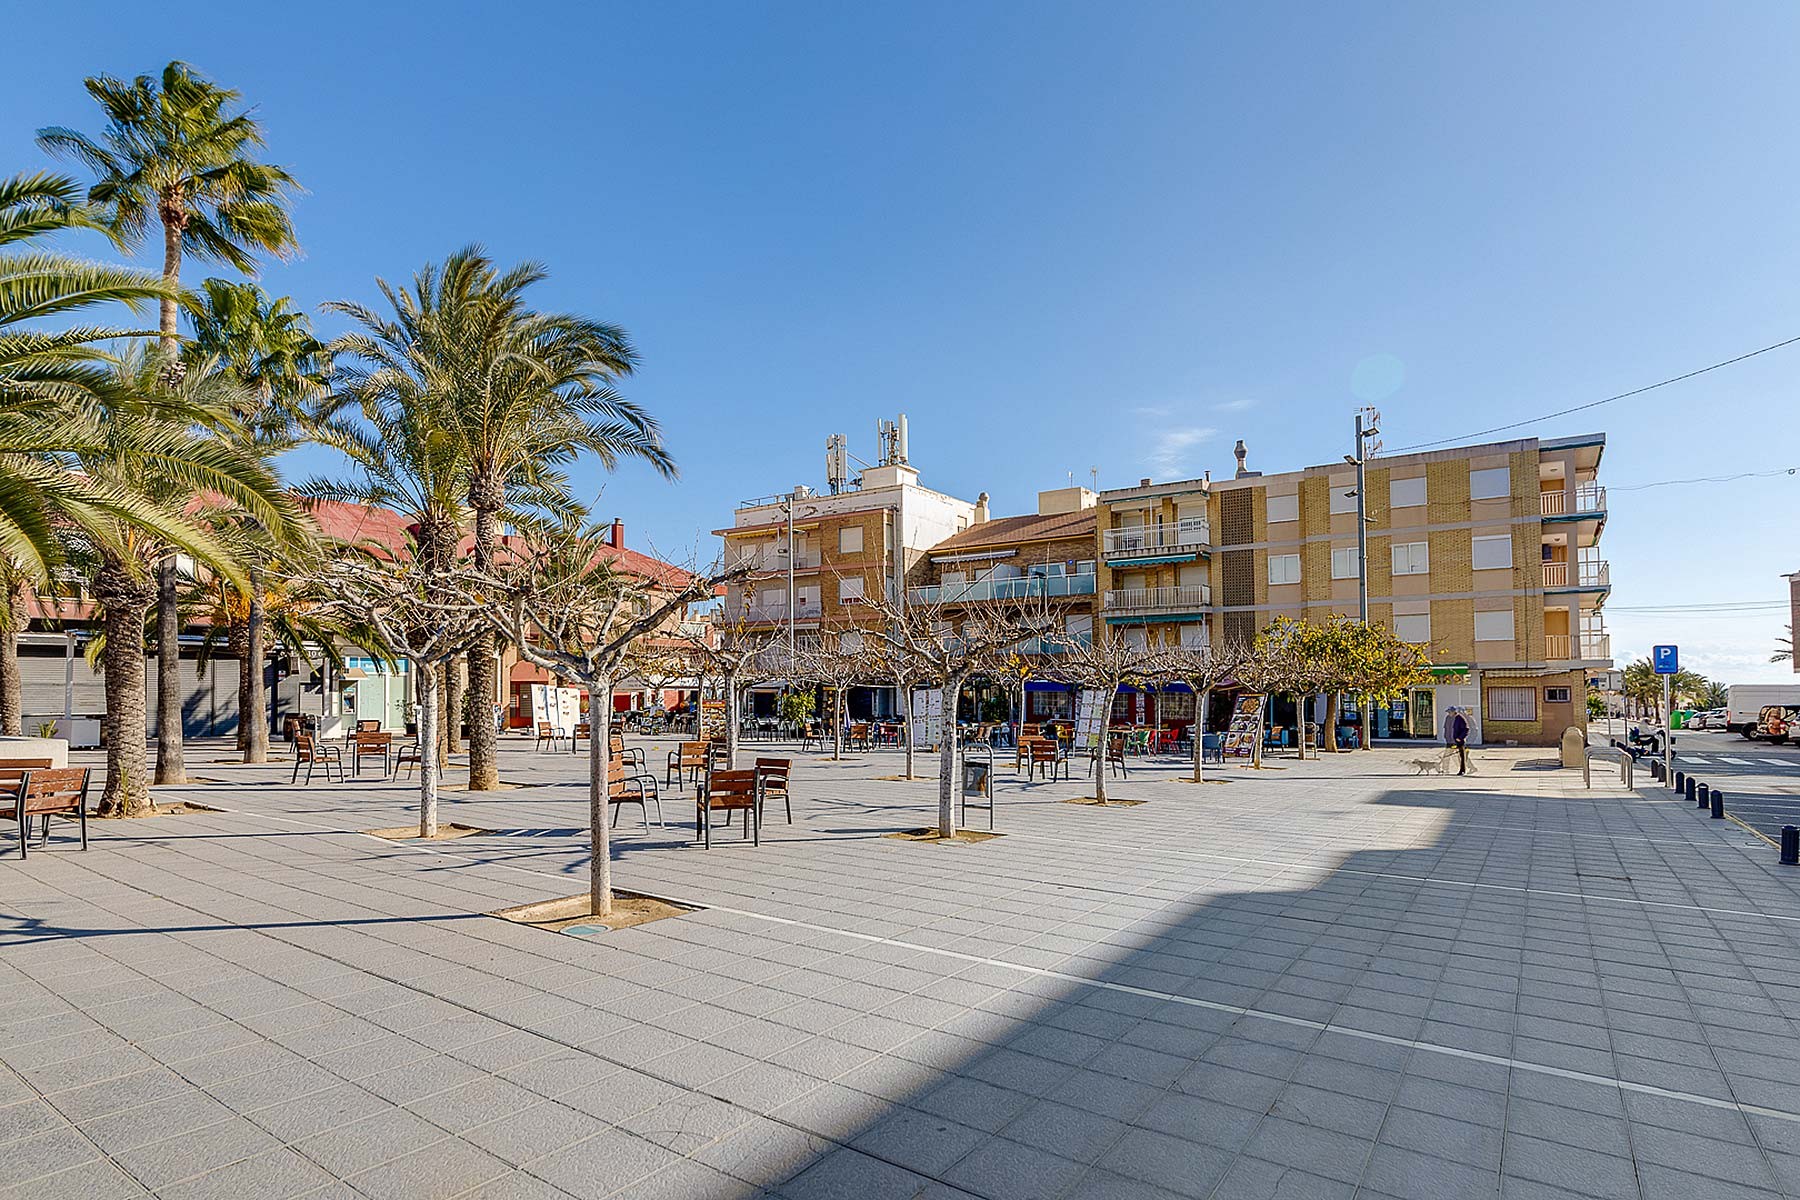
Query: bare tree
[1202, 668]
[891, 662]
[951, 644]
[569, 612]
[1102, 663]
[839, 660]
[738, 656]
[426, 614]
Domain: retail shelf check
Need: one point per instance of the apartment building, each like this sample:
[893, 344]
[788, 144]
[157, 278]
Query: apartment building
[1048, 554]
[816, 556]
[1487, 554]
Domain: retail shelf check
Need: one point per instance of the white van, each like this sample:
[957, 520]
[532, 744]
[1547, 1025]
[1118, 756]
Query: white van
[1746, 701]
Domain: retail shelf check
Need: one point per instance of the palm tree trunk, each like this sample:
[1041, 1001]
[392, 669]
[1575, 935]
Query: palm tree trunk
[125, 601]
[484, 747]
[600, 893]
[172, 222]
[12, 683]
[255, 717]
[237, 642]
[171, 765]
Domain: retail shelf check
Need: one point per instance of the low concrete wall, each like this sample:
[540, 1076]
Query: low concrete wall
[54, 749]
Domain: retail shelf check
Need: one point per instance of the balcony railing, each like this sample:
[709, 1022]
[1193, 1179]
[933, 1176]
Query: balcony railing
[1586, 573]
[1055, 644]
[1563, 647]
[759, 614]
[1587, 498]
[1186, 598]
[975, 590]
[1190, 533]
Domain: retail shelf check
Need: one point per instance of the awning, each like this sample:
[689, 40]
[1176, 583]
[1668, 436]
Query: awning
[1116, 560]
[528, 672]
[1156, 618]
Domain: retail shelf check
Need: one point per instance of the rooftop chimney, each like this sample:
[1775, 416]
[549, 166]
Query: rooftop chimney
[615, 537]
[1144, 482]
[981, 509]
[1242, 452]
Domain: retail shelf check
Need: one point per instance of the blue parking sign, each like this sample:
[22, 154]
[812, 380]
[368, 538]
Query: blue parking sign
[1666, 659]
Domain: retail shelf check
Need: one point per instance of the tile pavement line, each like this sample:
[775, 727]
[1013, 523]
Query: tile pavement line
[1622, 1085]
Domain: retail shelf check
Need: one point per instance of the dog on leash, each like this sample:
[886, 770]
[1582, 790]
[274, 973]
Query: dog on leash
[1428, 766]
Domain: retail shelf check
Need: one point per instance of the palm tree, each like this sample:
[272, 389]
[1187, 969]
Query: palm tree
[530, 392]
[55, 389]
[172, 150]
[163, 457]
[267, 351]
[1785, 647]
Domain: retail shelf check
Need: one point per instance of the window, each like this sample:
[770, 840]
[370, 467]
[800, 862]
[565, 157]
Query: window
[1406, 493]
[1495, 483]
[1193, 633]
[1415, 628]
[850, 588]
[1494, 626]
[1412, 558]
[1284, 568]
[1343, 499]
[1343, 563]
[774, 598]
[1556, 695]
[1284, 508]
[1511, 703]
[850, 539]
[850, 642]
[1491, 553]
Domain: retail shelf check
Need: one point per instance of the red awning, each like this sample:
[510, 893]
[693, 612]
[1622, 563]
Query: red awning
[528, 672]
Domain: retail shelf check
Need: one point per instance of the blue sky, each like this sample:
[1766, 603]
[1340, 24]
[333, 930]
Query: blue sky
[1069, 237]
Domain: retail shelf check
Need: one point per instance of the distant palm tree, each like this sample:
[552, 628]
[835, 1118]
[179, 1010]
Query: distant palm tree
[1716, 695]
[1786, 644]
[171, 151]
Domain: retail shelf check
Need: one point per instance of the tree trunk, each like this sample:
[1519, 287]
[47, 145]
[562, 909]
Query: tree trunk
[440, 679]
[1100, 754]
[837, 724]
[255, 717]
[171, 765]
[1329, 741]
[426, 674]
[453, 706]
[731, 718]
[484, 748]
[947, 773]
[12, 682]
[173, 223]
[1205, 698]
[906, 724]
[600, 894]
[237, 641]
[125, 601]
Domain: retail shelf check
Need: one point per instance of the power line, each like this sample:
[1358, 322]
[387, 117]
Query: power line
[1638, 487]
[1649, 387]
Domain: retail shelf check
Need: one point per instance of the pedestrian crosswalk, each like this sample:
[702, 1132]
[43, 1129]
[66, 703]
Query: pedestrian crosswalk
[1702, 761]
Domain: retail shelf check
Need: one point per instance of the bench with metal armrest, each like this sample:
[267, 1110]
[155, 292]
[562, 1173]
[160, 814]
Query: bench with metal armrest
[624, 787]
[310, 750]
[686, 761]
[33, 788]
[728, 792]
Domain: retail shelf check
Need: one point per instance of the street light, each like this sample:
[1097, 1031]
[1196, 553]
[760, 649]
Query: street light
[1359, 460]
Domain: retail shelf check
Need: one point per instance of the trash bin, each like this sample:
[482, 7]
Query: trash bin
[976, 777]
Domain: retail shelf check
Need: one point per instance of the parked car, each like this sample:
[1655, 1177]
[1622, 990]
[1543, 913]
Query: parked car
[1712, 718]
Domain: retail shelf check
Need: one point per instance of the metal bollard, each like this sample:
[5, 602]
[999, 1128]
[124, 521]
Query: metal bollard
[1790, 846]
[1704, 798]
[1688, 790]
[1681, 781]
[1718, 805]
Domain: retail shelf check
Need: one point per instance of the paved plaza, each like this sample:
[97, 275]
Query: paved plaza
[1326, 979]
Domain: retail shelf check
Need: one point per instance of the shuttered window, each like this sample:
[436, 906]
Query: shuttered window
[1512, 704]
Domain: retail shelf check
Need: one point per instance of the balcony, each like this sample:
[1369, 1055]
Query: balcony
[1587, 647]
[1020, 587]
[1055, 644]
[1594, 573]
[1589, 499]
[1185, 598]
[771, 614]
[1185, 538]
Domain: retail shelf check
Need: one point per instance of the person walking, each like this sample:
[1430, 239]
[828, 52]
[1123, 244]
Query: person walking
[1459, 734]
[1449, 719]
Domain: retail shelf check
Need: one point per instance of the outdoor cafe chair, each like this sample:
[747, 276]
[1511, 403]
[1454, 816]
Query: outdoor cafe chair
[772, 776]
[635, 755]
[376, 744]
[309, 750]
[686, 761]
[408, 755]
[1048, 756]
[1116, 746]
[40, 790]
[1212, 746]
[547, 735]
[623, 787]
[727, 792]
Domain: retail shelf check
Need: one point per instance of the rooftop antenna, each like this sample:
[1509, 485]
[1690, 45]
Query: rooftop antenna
[837, 462]
[1094, 475]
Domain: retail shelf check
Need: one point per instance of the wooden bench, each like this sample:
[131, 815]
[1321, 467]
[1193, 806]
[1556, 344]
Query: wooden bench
[727, 792]
[31, 787]
[615, 745]
[308, 750]
[624, 787]
[372, 744]
[772, 773]
[548, 734]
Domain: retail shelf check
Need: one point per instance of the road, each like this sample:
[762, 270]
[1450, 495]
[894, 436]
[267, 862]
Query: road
[1761, 781]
